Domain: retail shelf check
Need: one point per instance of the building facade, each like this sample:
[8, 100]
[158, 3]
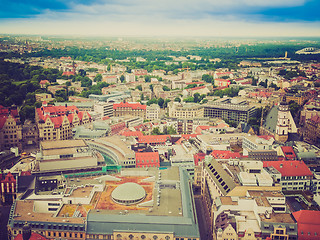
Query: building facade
[56, 122]
[132, 109]
[227, 110]
[10, 128]
[185, 111]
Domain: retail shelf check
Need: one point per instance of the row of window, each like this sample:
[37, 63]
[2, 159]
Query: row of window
[65, 234]
[147, 161]
[293, 183]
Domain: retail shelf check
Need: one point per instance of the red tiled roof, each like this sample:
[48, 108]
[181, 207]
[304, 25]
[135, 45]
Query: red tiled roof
[57, 113]
[289, 168]
[129, 105]
[266, 137]
[196, 88]
[288, 152]
[308, 224]
[198, 157]
[132, 133]
[68, 73]
[315, 119]
[204, 127]
[194, 83]
[44, 82]
[222, 80]
[147, 155]
[188, 136]
[222, 154]
[147, 159]
[34, 236]
[3, 120]
[153, 139]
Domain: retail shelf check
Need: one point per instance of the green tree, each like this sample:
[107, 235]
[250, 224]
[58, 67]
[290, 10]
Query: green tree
[166, 103]
[160, 102]
[207, 78]
[171, 130]
[122, 79]
[152, 101]
[196, 97]
[188, 99]
[177, 99]
[165, 88]
[139, 87]
[98, 78]
[147, 78]
[155, 131]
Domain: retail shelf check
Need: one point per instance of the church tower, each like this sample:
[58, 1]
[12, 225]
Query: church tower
[282, 127]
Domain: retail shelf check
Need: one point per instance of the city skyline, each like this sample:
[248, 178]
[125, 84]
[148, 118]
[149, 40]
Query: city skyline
[230, 18]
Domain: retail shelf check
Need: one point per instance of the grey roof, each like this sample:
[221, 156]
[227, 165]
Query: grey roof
[128, 192]
[220, 176]
[245, 127]
[271, 121]
[98, 223]
[306, 155]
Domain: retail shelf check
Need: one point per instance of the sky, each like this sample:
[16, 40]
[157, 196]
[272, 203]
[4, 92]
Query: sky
[216, 18]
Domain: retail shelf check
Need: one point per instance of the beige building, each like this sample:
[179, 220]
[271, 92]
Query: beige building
[227, 234]
[153, 112]
[132, 109]
[56, 122]
[10, 132]
[65, 155]
[41, 97]
[221, 180]
[183, 111]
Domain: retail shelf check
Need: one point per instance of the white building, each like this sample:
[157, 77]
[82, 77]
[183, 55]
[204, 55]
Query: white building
[153, 112]
[104, 109]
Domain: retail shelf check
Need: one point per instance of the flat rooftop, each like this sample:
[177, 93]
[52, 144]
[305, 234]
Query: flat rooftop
[170, 197]
[47, 145]
[278, 218]
[24, 211]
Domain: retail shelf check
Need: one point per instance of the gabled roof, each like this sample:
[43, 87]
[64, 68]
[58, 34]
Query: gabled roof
[289, 168]
[308, 224]
[271, 121]
[308, 217]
